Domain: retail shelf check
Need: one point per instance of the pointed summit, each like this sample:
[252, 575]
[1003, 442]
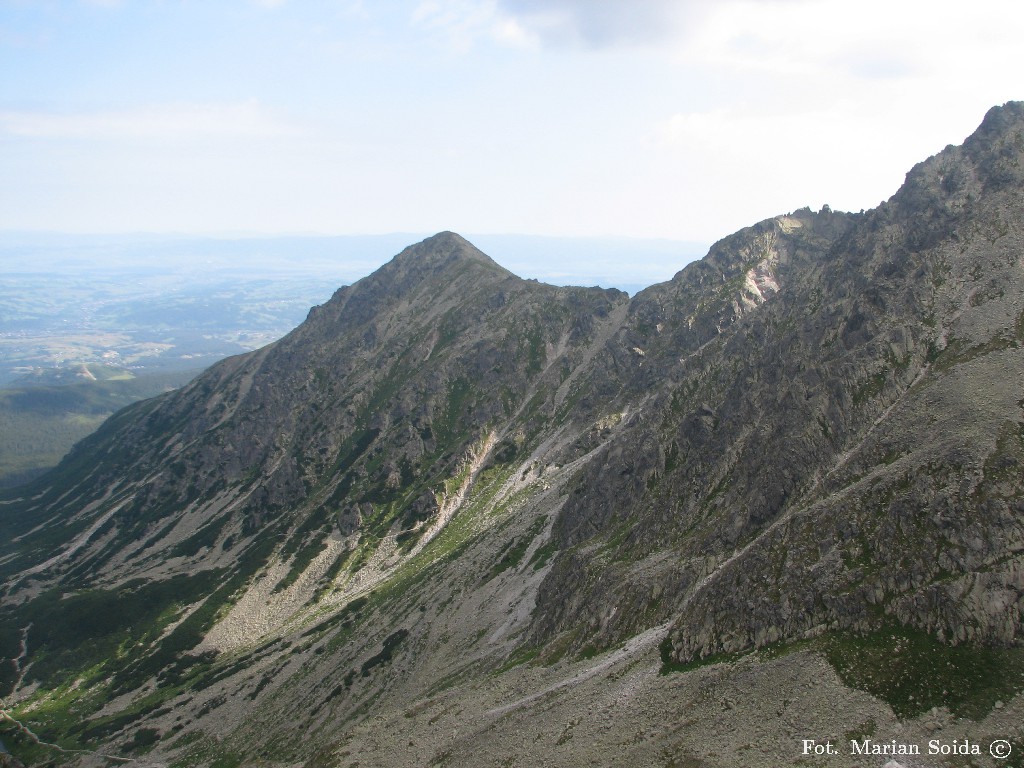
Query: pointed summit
[443, 250]
[447, 239]
[1000, 120]
[443, 265]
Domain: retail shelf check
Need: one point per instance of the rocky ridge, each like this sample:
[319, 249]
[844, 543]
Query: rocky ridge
[455, 506]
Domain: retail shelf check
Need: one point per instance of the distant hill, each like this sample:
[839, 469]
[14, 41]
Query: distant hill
[43, 415]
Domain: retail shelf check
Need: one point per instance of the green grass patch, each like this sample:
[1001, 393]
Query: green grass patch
[387, 652]
[520, 656]
[907, 668]
[912, 671]
[203, 538]
[542, 554]
[72, 632]
[516, 549]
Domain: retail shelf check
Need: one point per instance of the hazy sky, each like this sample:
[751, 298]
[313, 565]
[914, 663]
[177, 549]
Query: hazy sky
[683, 119]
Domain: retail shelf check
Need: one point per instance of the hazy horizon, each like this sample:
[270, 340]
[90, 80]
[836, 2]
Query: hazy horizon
[629, 264]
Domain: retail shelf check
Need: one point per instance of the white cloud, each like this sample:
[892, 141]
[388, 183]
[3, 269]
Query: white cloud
[593, 24]
[158, 122]
[510, 32]
[824, 101]
[603, 23]
[461, 22]
[870, 39]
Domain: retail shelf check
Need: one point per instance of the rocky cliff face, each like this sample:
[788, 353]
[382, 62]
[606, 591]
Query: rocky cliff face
[825, 458]
[448, 473]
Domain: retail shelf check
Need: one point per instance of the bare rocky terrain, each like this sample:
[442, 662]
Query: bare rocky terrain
[460, 518]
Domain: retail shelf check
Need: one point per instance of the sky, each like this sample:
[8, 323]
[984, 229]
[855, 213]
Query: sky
[674, 119]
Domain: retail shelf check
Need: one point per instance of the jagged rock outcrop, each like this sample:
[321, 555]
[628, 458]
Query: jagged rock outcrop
[827, 460]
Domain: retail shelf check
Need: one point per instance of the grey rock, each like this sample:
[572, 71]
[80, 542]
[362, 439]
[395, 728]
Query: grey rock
[455, 507]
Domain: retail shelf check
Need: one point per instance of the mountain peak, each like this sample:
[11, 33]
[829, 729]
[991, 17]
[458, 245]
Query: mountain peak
[447, 238]
[443, 262]
[1000, 119]
[443, 250]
